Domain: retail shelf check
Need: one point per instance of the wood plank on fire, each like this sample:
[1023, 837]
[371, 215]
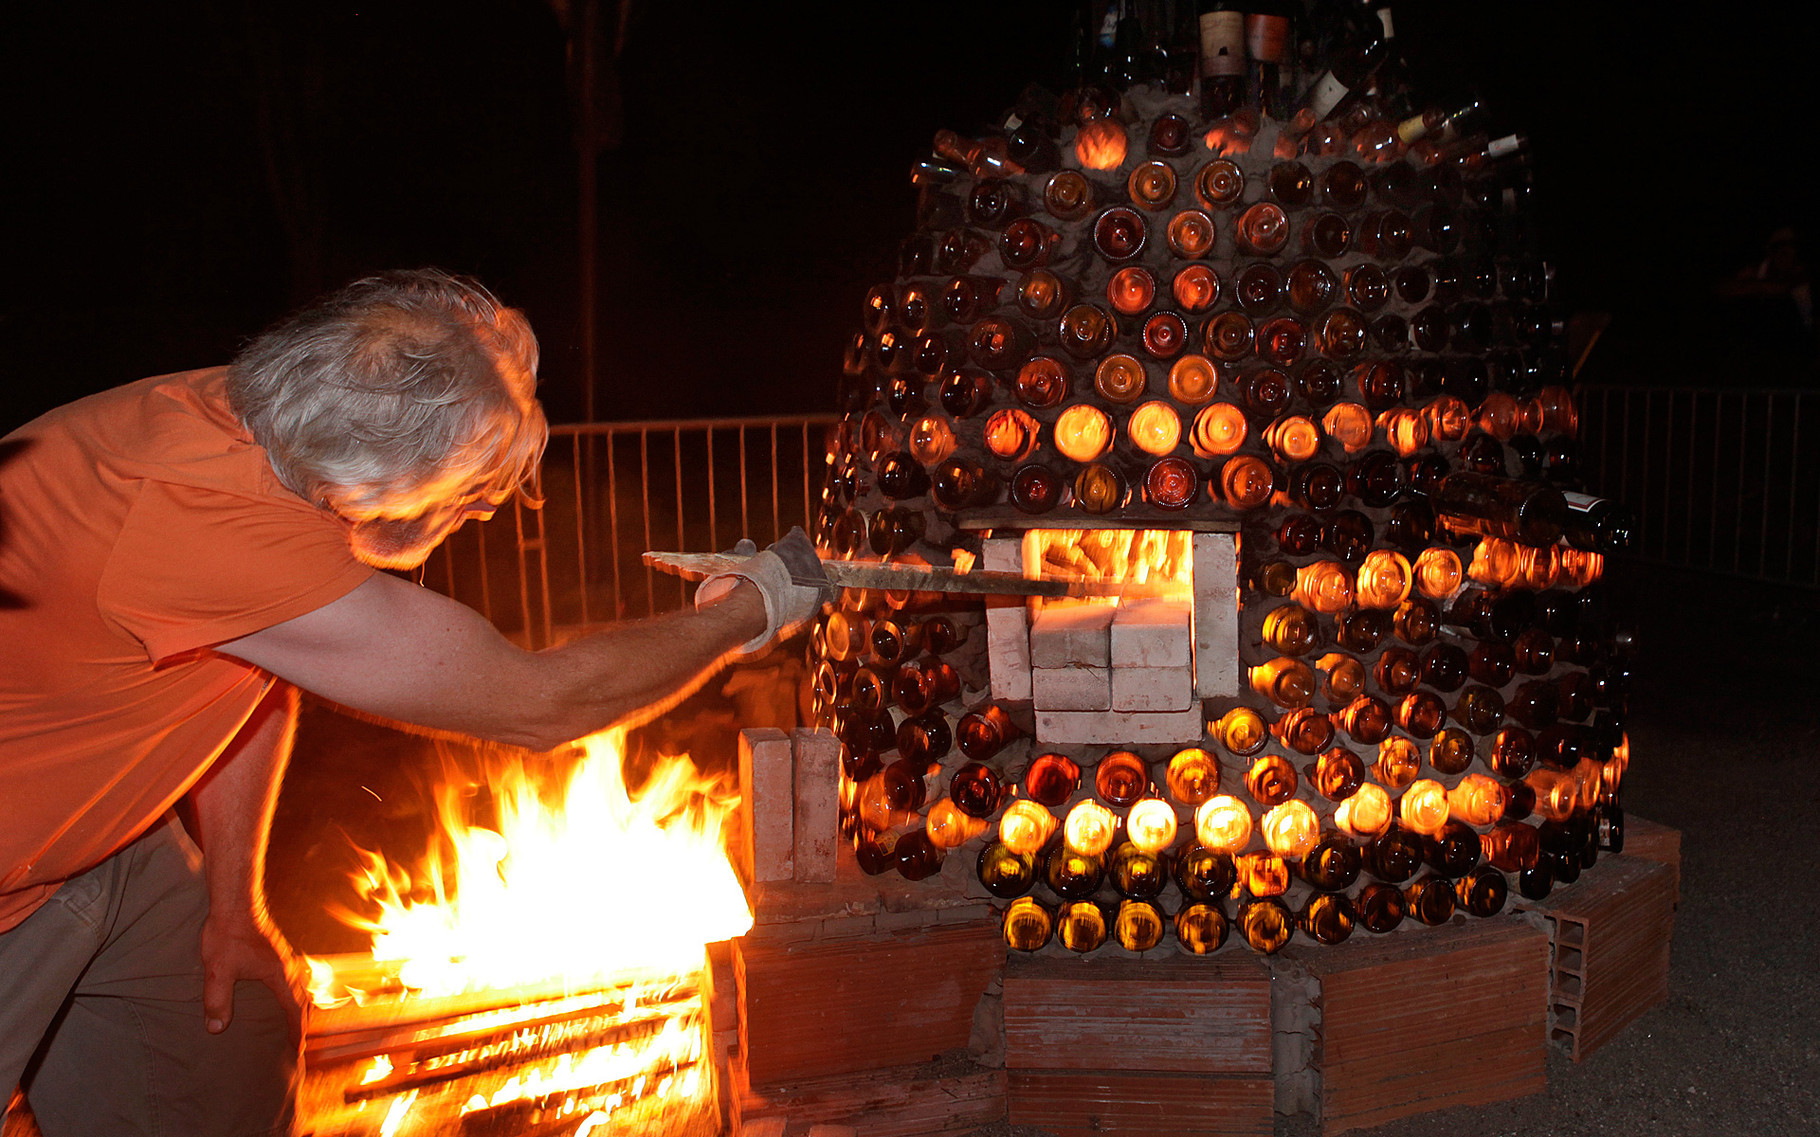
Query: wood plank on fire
[1186, 1015]
[1612, 931]
[1412, 1023]
[1086, 1103]
[391, 1008]
[439, 1061]
[906, 1101]
[840, 1005]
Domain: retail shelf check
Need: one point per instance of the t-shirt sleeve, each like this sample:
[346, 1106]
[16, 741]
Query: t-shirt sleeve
[195, 567]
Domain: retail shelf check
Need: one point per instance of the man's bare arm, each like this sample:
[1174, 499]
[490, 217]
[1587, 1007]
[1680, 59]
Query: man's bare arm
[402, 652]
[233, 804]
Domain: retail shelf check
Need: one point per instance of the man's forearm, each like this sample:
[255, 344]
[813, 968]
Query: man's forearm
[635, 670]
[234, 804]
[404, 653]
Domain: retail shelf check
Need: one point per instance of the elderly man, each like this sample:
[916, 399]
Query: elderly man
[177, 557]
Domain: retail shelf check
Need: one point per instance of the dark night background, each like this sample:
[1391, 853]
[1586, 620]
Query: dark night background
[179, 174]
[174, 176]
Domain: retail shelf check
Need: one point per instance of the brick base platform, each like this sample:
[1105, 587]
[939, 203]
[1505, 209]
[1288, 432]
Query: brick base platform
[1378, 1028]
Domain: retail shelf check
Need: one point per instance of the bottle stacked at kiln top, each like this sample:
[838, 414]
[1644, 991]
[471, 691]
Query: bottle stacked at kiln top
[1241, 275]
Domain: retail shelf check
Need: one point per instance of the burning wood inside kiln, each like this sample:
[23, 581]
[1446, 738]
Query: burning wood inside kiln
[1113, 669]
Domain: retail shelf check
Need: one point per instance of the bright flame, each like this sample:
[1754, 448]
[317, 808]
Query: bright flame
[577, 882]
[394, 1117]
[1160, 559]
[1101, 144]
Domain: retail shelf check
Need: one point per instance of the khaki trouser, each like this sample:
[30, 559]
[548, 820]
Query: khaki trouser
[101, 1010]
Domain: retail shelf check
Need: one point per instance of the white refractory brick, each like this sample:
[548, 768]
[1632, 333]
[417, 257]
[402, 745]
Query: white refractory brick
[1002, 554]
[1152, 688]
[1216, 615]
[1071, 688]
[1152, 633]
[1075, 635]
[1130, 728]
[817, 805]
[767, 783]
[1007, 624]
[1008, 653]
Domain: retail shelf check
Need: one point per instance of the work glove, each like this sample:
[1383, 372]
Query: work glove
[788, 575]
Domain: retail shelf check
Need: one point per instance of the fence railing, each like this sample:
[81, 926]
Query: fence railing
[612, 491]
[1718, 477]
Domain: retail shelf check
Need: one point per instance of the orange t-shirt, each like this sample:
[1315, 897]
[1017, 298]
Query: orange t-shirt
[138, 527]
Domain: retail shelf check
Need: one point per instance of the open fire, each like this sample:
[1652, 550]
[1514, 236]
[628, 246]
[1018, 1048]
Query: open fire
[541, 970]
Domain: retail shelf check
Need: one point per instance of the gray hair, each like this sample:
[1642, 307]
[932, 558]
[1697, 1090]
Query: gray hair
[376, 389]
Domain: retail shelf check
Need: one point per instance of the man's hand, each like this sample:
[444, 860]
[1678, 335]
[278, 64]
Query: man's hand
[788, 575]
[242, 947]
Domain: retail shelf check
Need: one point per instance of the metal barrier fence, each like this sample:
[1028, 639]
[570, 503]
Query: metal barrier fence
[1717, 476]
[612, 491]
